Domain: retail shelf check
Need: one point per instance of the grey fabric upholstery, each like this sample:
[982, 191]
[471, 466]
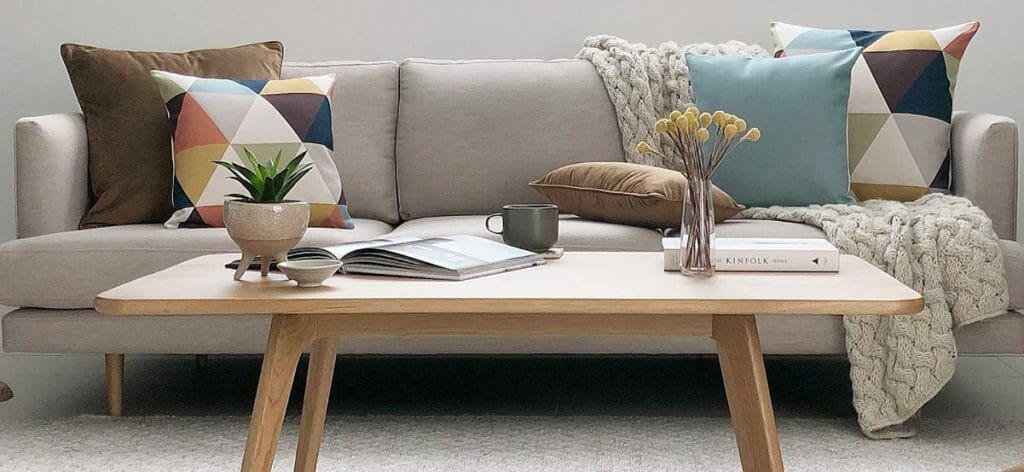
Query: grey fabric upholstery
[52, 173]
[575, 234]
[984, 150]
[766, 229]
[68, 270]
[995, 336]
[422, 141]
[35, 330]
[473, 134]
[364, 110]
[1013, 262]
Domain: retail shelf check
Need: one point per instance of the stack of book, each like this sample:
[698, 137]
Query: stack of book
[763, 255]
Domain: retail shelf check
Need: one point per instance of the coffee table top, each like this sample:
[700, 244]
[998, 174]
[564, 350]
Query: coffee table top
[579, 282]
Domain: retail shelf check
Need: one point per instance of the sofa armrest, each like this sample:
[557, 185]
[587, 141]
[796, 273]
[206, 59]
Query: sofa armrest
[52, 173]
[984, 154]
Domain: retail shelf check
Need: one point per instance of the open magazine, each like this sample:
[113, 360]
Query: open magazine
[450, 257]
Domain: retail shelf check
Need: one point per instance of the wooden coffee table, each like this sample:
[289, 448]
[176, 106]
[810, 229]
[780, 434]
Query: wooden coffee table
[583, 294]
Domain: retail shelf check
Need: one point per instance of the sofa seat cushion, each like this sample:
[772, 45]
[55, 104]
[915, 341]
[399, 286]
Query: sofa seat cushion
[574, 234]
[68, 270]
[577, 234]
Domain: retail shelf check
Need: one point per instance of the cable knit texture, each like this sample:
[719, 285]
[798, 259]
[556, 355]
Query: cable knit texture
[645, 84]
[942, 246]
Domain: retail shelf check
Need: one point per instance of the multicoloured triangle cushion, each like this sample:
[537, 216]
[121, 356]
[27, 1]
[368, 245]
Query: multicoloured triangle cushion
[214, 119]
[901, 103]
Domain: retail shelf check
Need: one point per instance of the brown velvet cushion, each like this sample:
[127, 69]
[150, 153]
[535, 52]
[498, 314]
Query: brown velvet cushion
[629, 194]
[129, 133]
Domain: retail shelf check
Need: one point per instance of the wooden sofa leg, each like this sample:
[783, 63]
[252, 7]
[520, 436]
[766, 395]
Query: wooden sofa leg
[5, 392]
[115, 384]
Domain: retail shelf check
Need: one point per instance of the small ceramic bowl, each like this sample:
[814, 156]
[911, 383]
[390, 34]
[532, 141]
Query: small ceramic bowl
[310, 272]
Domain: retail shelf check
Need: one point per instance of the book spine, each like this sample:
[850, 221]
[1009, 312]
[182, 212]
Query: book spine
[765, 261]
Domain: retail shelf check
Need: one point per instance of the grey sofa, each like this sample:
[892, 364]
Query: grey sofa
[424, 148]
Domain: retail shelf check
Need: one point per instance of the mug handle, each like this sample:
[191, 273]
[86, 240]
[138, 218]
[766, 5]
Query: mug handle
[487, 223]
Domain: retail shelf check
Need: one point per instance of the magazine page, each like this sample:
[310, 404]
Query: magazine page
[341, 250]
[432, 252]
[455, 253]
[482, 249]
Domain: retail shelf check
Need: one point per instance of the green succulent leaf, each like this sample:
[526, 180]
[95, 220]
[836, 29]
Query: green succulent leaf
[243, 172]
[239, 196]
[293, 180]
[248, 186]
[294, 163]
[277, 161]
[266, 181]
[252, 158]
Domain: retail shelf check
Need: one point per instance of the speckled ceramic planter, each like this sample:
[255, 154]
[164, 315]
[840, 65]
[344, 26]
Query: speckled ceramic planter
[267, 230]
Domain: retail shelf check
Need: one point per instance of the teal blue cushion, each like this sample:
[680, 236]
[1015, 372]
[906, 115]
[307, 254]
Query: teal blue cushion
[800, 105]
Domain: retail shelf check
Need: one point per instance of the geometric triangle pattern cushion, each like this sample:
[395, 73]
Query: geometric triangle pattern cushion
[901, 103]
[217, 119]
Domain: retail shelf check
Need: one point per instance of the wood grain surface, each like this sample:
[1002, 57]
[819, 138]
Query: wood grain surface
[619, 283]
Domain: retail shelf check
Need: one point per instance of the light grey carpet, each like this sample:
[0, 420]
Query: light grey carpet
[501, 443]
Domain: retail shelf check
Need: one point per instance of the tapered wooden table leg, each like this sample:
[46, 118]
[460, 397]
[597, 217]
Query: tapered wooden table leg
[289, 335]
[314, 404]
[114, 364]
[746, 386]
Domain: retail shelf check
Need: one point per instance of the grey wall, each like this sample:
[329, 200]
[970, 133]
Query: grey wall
[34, 82]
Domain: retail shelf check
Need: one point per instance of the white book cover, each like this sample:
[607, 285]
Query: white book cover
[764, 255]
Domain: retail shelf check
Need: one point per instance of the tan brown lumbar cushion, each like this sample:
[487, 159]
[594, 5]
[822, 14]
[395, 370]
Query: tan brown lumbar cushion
[629, 194]
[126, 122]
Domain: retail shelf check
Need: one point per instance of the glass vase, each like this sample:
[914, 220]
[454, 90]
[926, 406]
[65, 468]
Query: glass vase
[697, 248]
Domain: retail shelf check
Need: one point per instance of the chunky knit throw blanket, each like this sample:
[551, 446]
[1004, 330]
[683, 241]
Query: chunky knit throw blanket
[646, 84]
[942, 246]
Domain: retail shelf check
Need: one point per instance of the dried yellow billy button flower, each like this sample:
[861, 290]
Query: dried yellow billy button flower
[719, 118]
[703, 134]
[689, 131]
[730, 131]
[683, 121]
[705, 119]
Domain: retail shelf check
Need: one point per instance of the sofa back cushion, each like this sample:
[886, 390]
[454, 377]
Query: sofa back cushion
[472, 135]
[364, 110]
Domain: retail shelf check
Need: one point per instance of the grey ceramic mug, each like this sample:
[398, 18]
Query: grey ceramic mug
[529, 226]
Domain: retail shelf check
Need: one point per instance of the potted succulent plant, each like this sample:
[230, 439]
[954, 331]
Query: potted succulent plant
[263, 223]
